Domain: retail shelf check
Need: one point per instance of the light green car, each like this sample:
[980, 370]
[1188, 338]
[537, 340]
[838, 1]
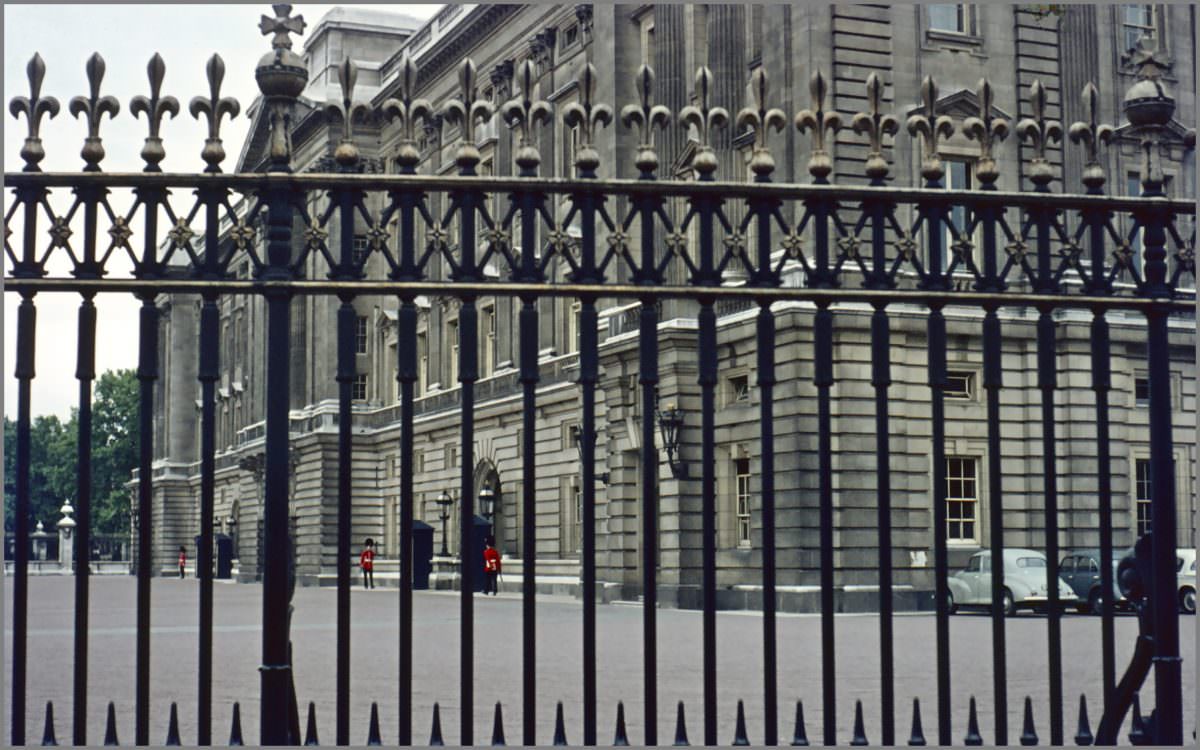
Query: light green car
[1024, 582]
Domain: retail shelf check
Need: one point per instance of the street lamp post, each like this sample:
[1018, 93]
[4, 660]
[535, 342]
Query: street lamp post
[444, 502]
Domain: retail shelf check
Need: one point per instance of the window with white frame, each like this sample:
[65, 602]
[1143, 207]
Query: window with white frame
[953, 19]
[1141, 495]
[452, 337]
[570, 511]
[738, 389]
[741, 473]
[360, 334]
[1137, 21]
[422, 362]
[360, 249]
[1141, 391]
[959, 176]
[358, 391]
[489, 341]
[960, 385]
[962, 499]
[573, 315]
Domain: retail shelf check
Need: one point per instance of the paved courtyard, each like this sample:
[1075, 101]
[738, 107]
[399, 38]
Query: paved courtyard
[374, 651]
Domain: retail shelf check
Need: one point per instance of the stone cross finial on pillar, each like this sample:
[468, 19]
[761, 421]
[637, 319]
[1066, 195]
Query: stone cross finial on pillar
[281, 25]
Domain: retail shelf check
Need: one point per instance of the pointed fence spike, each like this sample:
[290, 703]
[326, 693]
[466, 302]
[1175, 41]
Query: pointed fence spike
[973, 738]
[48, 739]
[560, 731]
[799, 737]
[1137, 727]
[1028, 733]
[739, 732]
[173, 728]
[310, 731]
[435, 734]
[860, 733]
[681, 739]
[1083, 735]
[373, 737]
[110, 727]
[498, 728]
[621, 739]
[917, 736]
[235, 729]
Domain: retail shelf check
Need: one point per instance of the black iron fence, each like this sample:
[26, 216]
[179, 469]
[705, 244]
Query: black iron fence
[643, 241]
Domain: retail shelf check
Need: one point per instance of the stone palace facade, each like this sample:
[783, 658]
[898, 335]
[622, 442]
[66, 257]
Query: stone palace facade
[956, 44]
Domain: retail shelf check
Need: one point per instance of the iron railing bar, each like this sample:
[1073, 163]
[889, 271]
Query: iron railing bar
[588, 376]
[245, 182]
[208, 374]
[763, 212]
[86, 373]
[467, 375]
[1101, 383]
[920, 297]
[26, 340]
[707, 352]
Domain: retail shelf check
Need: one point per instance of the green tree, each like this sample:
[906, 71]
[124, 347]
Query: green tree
[53, 457]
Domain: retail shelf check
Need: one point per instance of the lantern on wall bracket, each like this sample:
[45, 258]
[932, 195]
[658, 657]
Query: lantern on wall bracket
[577, 436]
[670, 423]
[487, 502]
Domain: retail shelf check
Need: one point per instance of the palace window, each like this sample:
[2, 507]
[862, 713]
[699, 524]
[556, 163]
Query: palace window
[489, 341]
[962, 499]
[960, 385]
[360, 335]
[738, 389]
[570, 36]
[422, 362]
[1141, 391]
[741, 472]
[452, 337]
[959, 174]
[573, 328]
[358, 391]
[1137, 21]
[955, 19]
[361, 248]
[1141, 495]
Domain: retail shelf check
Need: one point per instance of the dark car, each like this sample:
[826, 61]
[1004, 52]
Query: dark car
[1081, 571]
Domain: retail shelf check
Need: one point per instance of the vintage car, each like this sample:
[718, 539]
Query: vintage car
[1024, 582]
[1081, 571]
[1186, 569]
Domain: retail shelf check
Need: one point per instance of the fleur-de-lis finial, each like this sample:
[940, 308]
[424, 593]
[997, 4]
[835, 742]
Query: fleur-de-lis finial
[93, 107]
[523, 112]
[213, 108]
[705, 119]
[408, 110]
[932, 127]
[1040, 131]
[588, 116]
[762, 118]
[281, 25]
[876, 125]
[1091, 133]
[34, 107]
[154, 108]
[818, 121]
[466, 112]
[988, 130]
[346, 153]
[646, 116]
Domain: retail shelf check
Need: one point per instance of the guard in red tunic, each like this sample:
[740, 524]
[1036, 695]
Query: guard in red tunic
[182, 559]
[366, 561]
[491, 567]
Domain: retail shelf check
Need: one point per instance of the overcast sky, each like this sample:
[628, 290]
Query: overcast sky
[126, 36]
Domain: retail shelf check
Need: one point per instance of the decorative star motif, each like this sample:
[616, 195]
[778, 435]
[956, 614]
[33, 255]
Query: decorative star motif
[1187, 258]
[677, 243]
[60, 232]
[181, 234]
[1017, 250]
[437, 236]
[496, 237]
[794, 245]
[1071, 252]
[242, 235]
[559, 240]
[849, 247]
[314, 236]
[962, 249]
[1124, 255]
[908, 248]
[736, 244]
[120, 232]
[618, 240]
[377, 237]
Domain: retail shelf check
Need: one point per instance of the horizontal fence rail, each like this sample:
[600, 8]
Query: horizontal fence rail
[724, 245]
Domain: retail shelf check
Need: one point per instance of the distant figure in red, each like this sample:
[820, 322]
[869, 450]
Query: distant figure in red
[491, 567]
[366, 561]
[182, 559]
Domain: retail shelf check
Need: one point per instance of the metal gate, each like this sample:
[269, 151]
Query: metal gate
[1038, 250]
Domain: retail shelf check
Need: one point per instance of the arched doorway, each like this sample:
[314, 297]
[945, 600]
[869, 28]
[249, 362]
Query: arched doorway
[487, 477]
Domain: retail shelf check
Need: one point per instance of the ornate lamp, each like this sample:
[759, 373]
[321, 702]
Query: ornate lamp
[577, 432]
[444, 501]
[487, 502]
[670, 422]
